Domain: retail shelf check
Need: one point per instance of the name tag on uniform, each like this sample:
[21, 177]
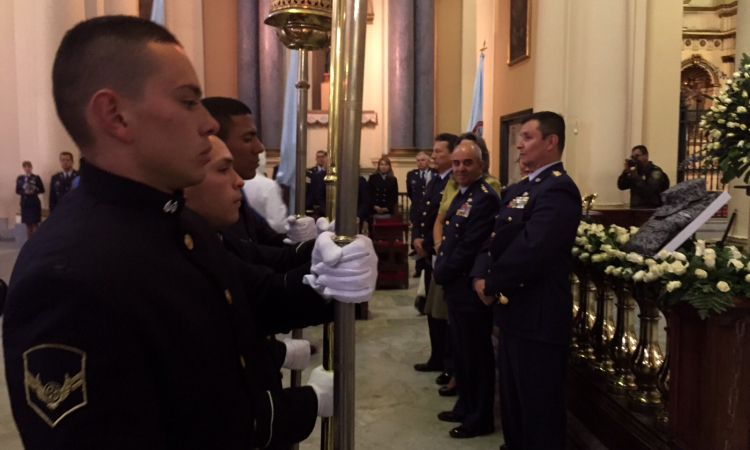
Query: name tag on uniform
[519, 202]
[464, 211]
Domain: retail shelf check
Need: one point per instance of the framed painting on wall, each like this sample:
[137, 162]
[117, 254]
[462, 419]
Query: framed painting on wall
[510, 132]
[520, 31]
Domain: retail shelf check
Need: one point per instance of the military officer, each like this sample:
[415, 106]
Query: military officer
[383, 187]
[416, 182]
[468, 224]
[151, 339]
[524, 270]
[62, 182]
[645, 180]
[424, 244]
[238, 131]
[315, 194]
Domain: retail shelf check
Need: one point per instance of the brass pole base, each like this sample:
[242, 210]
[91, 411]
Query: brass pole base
[602, 369]
[582, 355]
[621, 384]
[645, 402]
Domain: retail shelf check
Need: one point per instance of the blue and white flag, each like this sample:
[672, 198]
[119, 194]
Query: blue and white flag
[157, 12]
[476, 124]
[288, 158]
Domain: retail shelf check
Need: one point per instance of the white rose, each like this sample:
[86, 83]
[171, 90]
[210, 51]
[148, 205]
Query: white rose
[721, 108]
[747, 278]
[678, 268]
[709, 253]
[663, 255]
[584, 256]
[609, 270]
[650, 276]
[672, 285]
[709, 262]
[728, 100]
[737, 74]
[596, 258]
[702, 124]
[741, 110]
[744, 94]
[590, 248]
[741, 144]
[721, 121]
[633, 230]
[722, 286]
[638, 276]
[743, 126]
[650, 263]
[576, 251]
[731, 125]
[716, 134]
[621, 255]
[623, 238]
[700, 273]
[635, 258]
[679, 256]
[736, 263]
[627, 273]
[617, 272]
[735, 253]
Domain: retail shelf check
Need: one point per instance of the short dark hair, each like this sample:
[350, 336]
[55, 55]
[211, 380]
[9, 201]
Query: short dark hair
[67, 154]
[26, 164]
[550, 123]
[222, 109]
[642, 148]
[451, 139]
[325, 153]
[104, 52]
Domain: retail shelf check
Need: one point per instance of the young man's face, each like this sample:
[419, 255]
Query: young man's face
[169, 127]
[218, 197]
[642, 157]
[27, 169]
[441, 156]
[66, 162]
[243, 142]
[321, 159]
[534, 150]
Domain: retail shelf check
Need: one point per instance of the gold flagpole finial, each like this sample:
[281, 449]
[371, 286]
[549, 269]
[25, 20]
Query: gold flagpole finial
[484, 47]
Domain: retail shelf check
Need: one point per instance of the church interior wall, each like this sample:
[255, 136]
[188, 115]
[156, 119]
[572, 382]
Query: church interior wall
[220, 47]
[448, 50]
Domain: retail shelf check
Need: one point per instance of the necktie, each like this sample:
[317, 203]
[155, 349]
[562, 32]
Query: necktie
[422, 173]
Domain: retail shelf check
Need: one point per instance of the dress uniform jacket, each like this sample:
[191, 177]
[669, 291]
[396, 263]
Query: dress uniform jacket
[59, 186]
[415, 189]
[315, 194]
[646, 188]
[252, 227]
[428, 211]
[528, 257]
[383, 192]
[128, 325]
[468, 224]
[364, 203]
[31, 207]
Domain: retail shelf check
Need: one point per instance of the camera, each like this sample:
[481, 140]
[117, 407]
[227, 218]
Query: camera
[633, 161]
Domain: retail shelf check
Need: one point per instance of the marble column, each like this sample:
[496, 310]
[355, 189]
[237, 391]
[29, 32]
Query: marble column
[248, 75]
[272, 77]
[424, 73]
[401, 73]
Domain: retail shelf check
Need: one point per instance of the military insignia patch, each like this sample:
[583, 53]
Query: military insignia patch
[464, 211]
[55, 381]
[556, 173]
[656, 174]
[538, 180]
[519, 202]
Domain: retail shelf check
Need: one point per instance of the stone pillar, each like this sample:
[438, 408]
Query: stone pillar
[272, 78]
[401, 73]
[248, 75]
[740, 202]
[424, 73]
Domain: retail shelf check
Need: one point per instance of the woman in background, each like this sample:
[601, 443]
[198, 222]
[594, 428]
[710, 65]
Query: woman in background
[383, 188]
[29, 186]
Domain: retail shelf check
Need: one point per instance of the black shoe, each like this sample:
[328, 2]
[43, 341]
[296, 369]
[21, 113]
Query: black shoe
[443, 379]
[447, 416]
[462, 433]
[424, 367]
[445, 391]
[417, 275]
[313, 349]
[503, 447]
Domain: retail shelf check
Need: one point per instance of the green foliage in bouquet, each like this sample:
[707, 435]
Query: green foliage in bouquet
[726, 127]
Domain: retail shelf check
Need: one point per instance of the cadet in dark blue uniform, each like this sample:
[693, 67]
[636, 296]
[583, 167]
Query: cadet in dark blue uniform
[29, 186]
[62, 182]
[383, 188]
[468, 224]
[424, 244]
[524, 269]
[315, 194]
[128, 325]
[416, 183]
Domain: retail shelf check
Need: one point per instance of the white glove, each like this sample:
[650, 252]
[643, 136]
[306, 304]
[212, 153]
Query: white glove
[297, 354]
[322, 383]
[323, 225]
[299, 230]
[347, 273]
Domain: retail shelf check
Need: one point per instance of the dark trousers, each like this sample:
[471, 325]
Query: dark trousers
[532, 399]
[471, 339]
[438, 329]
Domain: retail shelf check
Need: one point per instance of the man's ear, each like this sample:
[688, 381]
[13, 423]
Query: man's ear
[105, 113]
[552, 141]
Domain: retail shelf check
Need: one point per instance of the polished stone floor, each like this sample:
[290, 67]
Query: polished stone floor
[396, 407]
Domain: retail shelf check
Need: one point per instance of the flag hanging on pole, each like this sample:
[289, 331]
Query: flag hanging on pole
[475, 120]
[157, 12]
[288, 158]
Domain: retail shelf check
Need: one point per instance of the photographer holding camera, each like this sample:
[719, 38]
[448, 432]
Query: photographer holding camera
[645, 180]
